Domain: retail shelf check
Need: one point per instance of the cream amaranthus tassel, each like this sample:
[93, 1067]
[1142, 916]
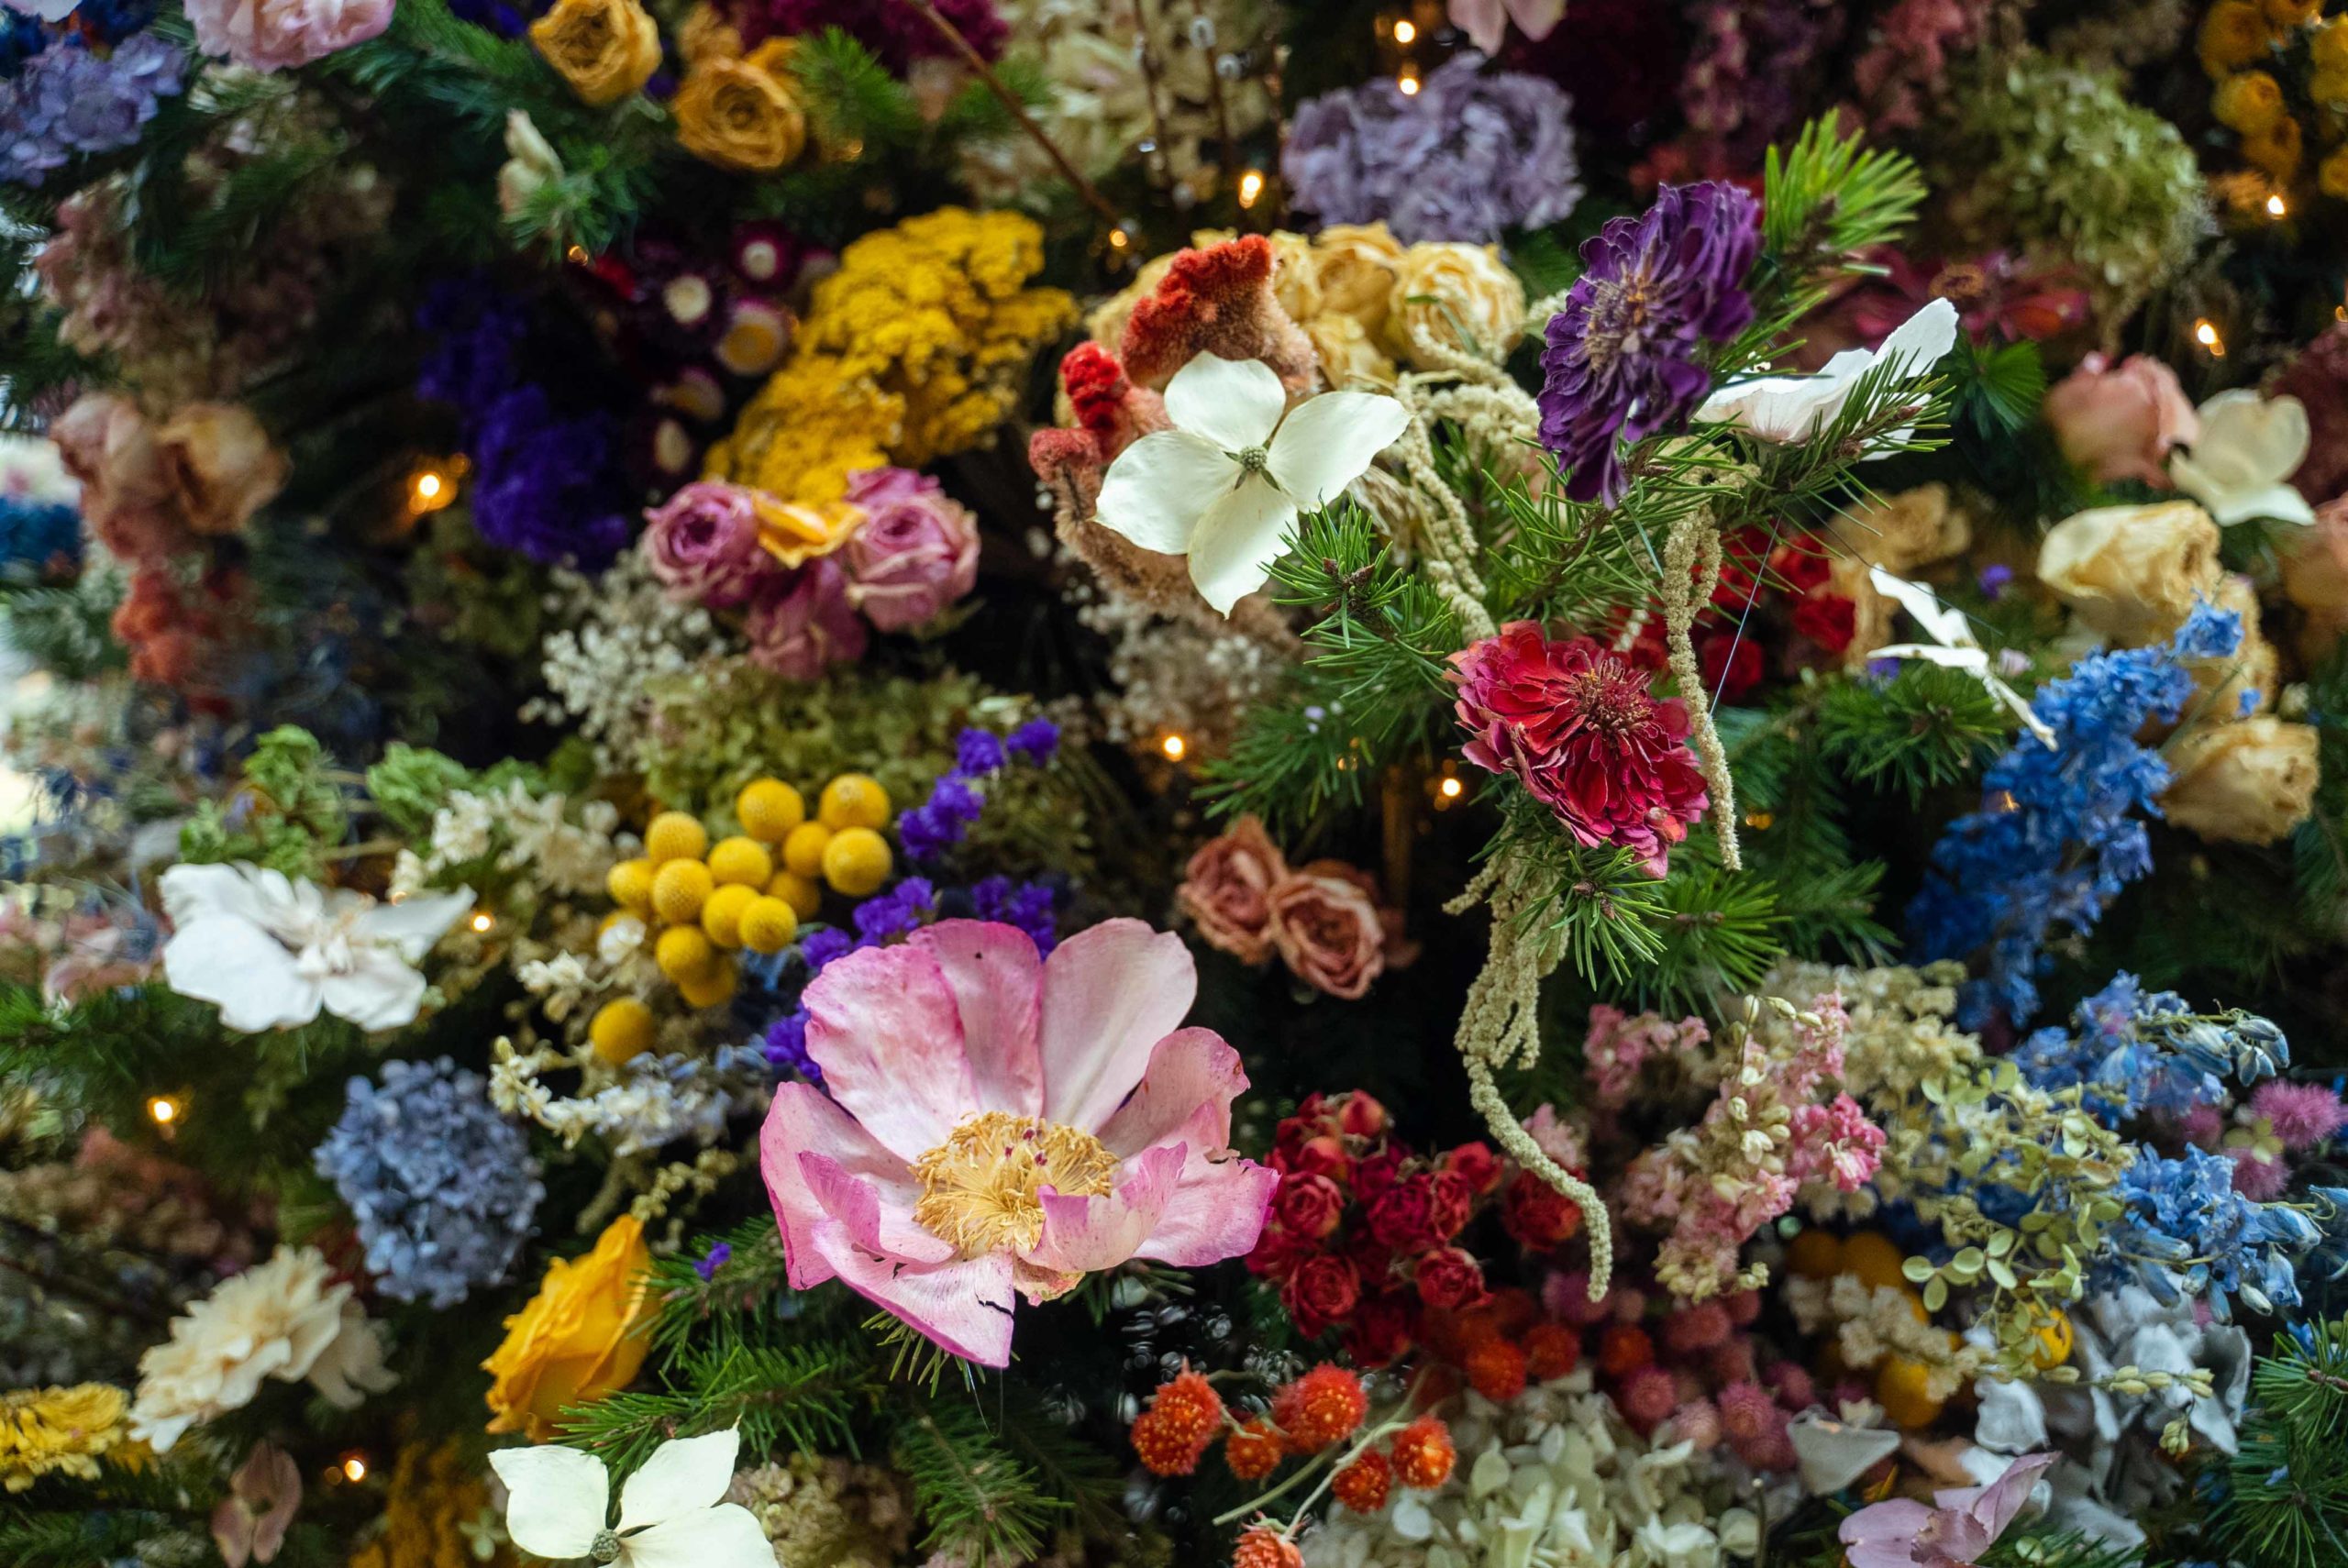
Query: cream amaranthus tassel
[1691, 569]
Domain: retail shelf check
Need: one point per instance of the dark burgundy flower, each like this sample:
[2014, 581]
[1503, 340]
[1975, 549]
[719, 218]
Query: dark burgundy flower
[1827, 618]
[1382, 1330]
[1308, 1206]
[1321, 1292]
[1448, 1279]
[1402, 1217]
[1537, 1215]
[1578, 727]
[1621, 361]
[1477, 1165]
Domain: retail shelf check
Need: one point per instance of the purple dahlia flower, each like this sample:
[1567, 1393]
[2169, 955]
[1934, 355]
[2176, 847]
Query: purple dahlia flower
[1622, 354]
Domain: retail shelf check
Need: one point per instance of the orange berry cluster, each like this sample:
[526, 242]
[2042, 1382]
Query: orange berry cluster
[1325, 1406]
[1264, 1547]
[1183, 1416]
[1421, 1456]
[1503, 1344]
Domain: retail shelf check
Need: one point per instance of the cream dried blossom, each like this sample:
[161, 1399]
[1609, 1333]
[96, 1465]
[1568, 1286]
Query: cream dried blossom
[1555, 1478]
[287, 1319]
[828, 1513]
[618, 633]
[1873, 1324]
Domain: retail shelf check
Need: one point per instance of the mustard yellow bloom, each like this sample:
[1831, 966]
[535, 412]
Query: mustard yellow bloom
[795, 533]
[2329, 48]
[2275, 151]
[2332, 174]
[2284, 16]
[577, 1340]
[605, 49]
[741, 114]
[2249, 100]
[62, 1432]
[2234, 33]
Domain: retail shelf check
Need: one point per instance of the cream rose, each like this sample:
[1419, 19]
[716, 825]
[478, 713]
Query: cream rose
[2132, 573]
[1457, 296]
[1355, 264]
[2315, 561]
[1348, 357]
[2221, 682]
[219, 465]
[1911, 529]
[2244, 783]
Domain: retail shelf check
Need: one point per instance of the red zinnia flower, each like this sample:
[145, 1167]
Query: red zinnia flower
[1577, 724]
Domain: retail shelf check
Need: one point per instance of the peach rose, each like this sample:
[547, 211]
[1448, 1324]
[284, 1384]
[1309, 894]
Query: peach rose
[2251, 783]
[2315, 561]
[106, 442]
[1326, 924]
[219, 465]
[576, 1339]
[1911, 529]
[1455, 296]
[1348, 357]
[2119, 423]
[2132, 573]
[1226, 890]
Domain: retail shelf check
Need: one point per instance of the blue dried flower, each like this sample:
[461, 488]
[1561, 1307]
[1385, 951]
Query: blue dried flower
[38, 540]
[1469, 156]
[2188, 1233]
[69, 100]
[1035, 740]
[442, 1188]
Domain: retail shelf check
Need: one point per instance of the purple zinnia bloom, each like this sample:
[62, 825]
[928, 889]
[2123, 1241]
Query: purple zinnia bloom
[1622, 360]
[977, 752]
[1469, 156]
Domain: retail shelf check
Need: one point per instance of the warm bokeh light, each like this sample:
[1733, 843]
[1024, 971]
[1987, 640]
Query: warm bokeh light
[482, 921]
[1174, 747]
[165, 1109]
[1405, 31]
[1251, 186]
[1450, 788]
[1409, 83]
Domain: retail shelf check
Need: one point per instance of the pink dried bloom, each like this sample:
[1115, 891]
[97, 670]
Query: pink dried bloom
[1696, 1328]
[2302, 1115]
[2260, 1180]
[1647, 1397]
[1956, 1533]
[1618, 1045]
[1696, 1423]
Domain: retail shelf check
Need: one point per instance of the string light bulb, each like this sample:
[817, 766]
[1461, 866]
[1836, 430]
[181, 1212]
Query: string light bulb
[354, 1467]
[163, 1109]
[1450, 788]
[2276, 206]
[1404, 31]
[1174, 747]
[2205, 333]
[481, 920]
[1409, 83]
[1251, 186]
[431, 487]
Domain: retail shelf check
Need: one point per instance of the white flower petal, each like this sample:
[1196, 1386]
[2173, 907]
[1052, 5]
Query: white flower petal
[378, 991]
[555, 1498]
[724, 1537]
[1236, 403]
[1793, 408]
[1159, 487]
[413, 925]
[241, 969]
[192, 892]
[1973, 659]
[1922, 341]
[682, 1477]
[1236, 543]
[1327, 442]
[1940, 622]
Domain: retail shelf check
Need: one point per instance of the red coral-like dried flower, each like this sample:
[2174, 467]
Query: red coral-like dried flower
[1325, 1406]
[1363, 1484]
[1163, 1447]
[1183, 1416]
[1551, 1350]
[1215, 300]
[1623, 1349]
[1266, 1548]
[1422, 1454]
[1579, 725]
[1496, 1369]
[1254, 1451]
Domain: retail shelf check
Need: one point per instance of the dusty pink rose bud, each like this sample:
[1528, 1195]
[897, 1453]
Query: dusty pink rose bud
[803, 630]
[219, 465]
[917, 552]
[703, 544]
[2119, 423]
[1227, 891]
[105, 442]
[1326, 925]
[277, 35]
[2315, 561]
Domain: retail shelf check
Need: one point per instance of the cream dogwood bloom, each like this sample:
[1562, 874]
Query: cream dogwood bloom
[1951, 645]
[2249, 446]
[672, 1510]
[272, 952]
[1794, 408]
[1224, 486]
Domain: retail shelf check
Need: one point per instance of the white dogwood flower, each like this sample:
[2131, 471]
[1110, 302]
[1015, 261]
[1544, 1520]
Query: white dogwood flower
[272, 952]
[1795, 408]
[674, 1512]
[1951, 645]
[2248, 447]
[1224, 486]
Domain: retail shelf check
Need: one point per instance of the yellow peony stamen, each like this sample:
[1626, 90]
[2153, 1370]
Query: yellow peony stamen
[981, 1188]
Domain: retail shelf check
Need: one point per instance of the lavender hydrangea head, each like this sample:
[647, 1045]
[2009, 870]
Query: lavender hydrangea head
[69, 100]
[1469, 156]
[1623, 360]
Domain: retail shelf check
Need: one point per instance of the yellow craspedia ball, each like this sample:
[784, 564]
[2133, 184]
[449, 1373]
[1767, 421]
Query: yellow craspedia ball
[2052, 1341]
[742, 860]
[679, 890]
[621, 1029]
[768, 925]
[804, 894]
[770, 809]
[713, 990]
[630, 885]
[1899, 1388]
[685, 953]
[856, 862]
[721, 917]
[803, 851]
[675, 835]
[1871, 1255]
[1814, 1255]
[853, 799]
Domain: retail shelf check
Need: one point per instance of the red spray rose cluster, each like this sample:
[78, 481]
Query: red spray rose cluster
[1362, 1229]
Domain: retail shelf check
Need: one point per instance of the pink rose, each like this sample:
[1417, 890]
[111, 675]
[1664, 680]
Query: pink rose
[219, 465]
[105, 443]
[1226, 890]
[1327, 929]
[2315, 561]
[276, 35]
[2119, 423]
[917, 552]
[703, 544]
[249, 1525]
[806, 628]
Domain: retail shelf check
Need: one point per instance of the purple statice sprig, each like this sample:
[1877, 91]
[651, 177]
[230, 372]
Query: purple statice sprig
[720, 1253]
[958, 798]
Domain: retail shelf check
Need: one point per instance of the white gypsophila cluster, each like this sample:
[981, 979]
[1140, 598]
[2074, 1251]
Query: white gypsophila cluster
[1555, 1478]
[619, 633]
[1169, 675]
[525, 832]
[569, 980]
[654, 1101]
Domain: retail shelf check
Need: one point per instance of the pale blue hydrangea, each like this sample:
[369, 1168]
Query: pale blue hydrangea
[69, 100]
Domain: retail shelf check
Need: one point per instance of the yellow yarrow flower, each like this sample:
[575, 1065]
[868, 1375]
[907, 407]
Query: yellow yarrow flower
[46, 1431]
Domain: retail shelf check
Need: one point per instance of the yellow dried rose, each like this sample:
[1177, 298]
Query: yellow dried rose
[2250, 782]
[706, 34]
[1455, 296]
[1357, 263]
[577, 1340]
[605, 49]
[2132, 573]
[1348, 357]
[1911, 529]
[795, 533]
[740, 114]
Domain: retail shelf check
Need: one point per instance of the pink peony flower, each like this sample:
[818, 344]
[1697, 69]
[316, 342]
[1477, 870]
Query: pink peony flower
[277, 35]
[1901, 1532]
[106, 443]
[2119, 423]
[998, 1123]
[917, 552]
[703, 544]
[804, 629]
[1226, 890]
[1578, 726]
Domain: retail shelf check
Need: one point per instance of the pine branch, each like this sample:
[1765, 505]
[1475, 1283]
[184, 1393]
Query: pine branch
[1924, 729]
[801, 1397]
[980, 1502]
